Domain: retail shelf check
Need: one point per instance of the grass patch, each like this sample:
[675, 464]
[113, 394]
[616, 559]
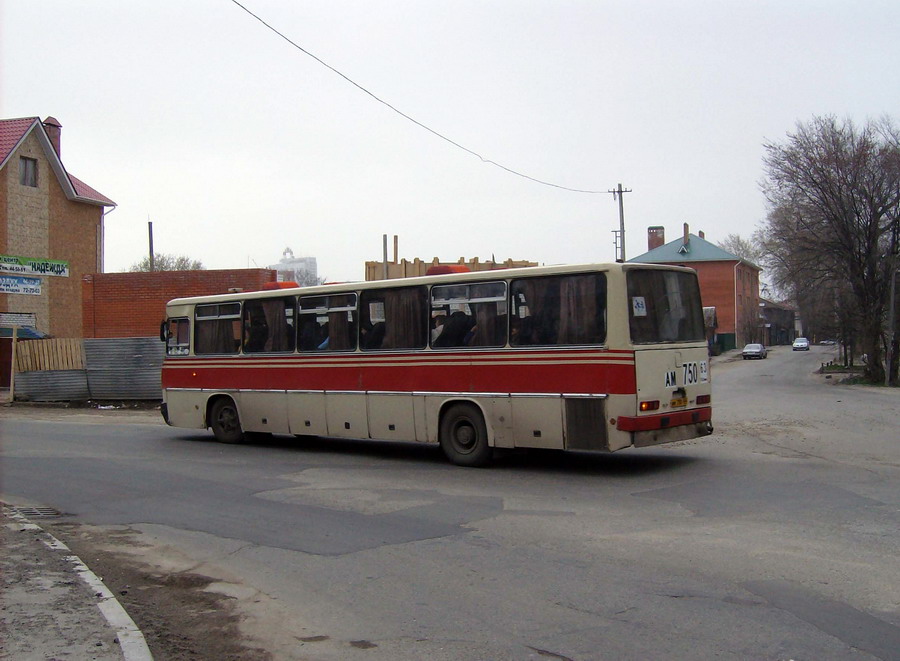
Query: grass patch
[835, 368]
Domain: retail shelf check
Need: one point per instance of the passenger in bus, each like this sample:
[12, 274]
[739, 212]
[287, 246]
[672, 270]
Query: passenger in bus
[257, 331]
[374, 337]
[309, 334]
[323, 337]
[470, 335]
[455, 330]
[522, 332]
[437, 326]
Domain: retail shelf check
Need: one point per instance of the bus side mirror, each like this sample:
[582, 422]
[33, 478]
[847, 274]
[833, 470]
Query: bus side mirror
[164, 331]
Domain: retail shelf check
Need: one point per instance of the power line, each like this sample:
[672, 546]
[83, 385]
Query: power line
[411, 119]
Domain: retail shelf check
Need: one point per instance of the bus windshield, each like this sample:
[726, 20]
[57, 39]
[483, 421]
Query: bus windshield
[664, 306]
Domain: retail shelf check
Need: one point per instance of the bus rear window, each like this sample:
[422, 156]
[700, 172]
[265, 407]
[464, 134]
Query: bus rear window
[664, 306]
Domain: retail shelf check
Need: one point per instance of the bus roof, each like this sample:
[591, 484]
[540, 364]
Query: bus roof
[449, 278]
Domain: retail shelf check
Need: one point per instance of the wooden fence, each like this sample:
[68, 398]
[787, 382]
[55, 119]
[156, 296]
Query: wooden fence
[46, 355]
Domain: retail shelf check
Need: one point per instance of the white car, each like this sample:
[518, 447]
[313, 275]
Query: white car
[801, 344]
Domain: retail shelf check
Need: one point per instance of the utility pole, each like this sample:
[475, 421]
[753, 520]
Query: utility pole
[620, 234]
[150, 230]
[889, 359]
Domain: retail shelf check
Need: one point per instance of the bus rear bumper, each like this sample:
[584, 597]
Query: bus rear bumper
[667, 427]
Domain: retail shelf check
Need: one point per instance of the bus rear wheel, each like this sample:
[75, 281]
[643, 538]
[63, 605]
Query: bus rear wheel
[463, 436]
[225, 421]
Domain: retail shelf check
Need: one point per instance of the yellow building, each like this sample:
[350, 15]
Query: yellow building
[409, 269]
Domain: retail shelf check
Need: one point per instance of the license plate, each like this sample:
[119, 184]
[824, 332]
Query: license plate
[679, 401]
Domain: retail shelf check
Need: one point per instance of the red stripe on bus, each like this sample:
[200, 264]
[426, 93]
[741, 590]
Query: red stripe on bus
[458, 376]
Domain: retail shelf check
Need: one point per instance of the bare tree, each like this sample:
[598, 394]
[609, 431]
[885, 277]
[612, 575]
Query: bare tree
[834, 195]
[166, 262]
[307, 279]
[747, 249]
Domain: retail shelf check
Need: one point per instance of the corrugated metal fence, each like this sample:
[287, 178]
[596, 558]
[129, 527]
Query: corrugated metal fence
[103, 368]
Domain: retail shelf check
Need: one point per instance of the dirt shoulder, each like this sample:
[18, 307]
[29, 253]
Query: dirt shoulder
[95, 412]
[179, 611]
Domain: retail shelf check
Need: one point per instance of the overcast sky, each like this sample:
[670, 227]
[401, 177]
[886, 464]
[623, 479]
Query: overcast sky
[237, 145]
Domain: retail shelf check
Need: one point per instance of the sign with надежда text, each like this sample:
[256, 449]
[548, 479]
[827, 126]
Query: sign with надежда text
[33, 266]
[14, 284]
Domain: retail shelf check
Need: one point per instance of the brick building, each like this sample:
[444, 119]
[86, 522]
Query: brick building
[51, 227]
[728, 283]
[134, 304]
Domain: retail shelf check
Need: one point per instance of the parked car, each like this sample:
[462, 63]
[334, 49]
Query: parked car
[754, 351]
[800, 344]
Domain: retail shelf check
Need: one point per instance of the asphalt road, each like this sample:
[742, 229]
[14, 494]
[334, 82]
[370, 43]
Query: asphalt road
[776, 538]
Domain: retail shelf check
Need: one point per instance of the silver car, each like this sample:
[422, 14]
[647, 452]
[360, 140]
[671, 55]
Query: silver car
[800, 344]
[754, 351]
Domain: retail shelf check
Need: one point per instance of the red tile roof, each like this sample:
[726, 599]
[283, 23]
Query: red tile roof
[83, 190]
[12, 131]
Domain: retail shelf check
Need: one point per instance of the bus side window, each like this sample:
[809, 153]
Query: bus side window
[559, 310]
[536, 306]
[401, 314]
[217, 328]
[327, 323]
[582, 313]
[269, 325]
[468, 315]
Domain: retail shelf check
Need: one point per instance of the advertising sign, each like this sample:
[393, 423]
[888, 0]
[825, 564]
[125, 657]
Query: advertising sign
[33, 266]
[14, 284]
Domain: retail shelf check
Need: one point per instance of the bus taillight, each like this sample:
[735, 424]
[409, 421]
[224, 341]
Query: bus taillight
[650, 406]
[704, 399]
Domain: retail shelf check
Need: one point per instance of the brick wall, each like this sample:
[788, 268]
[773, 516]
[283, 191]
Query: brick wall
[74, 234]
[733, 289]
[134, 304]
[717, 290]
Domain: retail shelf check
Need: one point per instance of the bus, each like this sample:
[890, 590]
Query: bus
[595, 357]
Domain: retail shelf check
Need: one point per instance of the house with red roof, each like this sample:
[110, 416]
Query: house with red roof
[728, 283]
[51, 228]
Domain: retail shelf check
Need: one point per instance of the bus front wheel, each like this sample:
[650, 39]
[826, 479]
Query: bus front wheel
[225, 421]
[463, 436]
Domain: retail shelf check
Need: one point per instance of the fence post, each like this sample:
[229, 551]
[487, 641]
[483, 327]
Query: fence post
[12, 367]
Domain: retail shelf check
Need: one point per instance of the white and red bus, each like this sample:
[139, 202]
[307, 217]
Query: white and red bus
[595, 358]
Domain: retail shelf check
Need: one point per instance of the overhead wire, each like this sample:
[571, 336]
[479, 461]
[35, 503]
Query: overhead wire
[409, 118]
